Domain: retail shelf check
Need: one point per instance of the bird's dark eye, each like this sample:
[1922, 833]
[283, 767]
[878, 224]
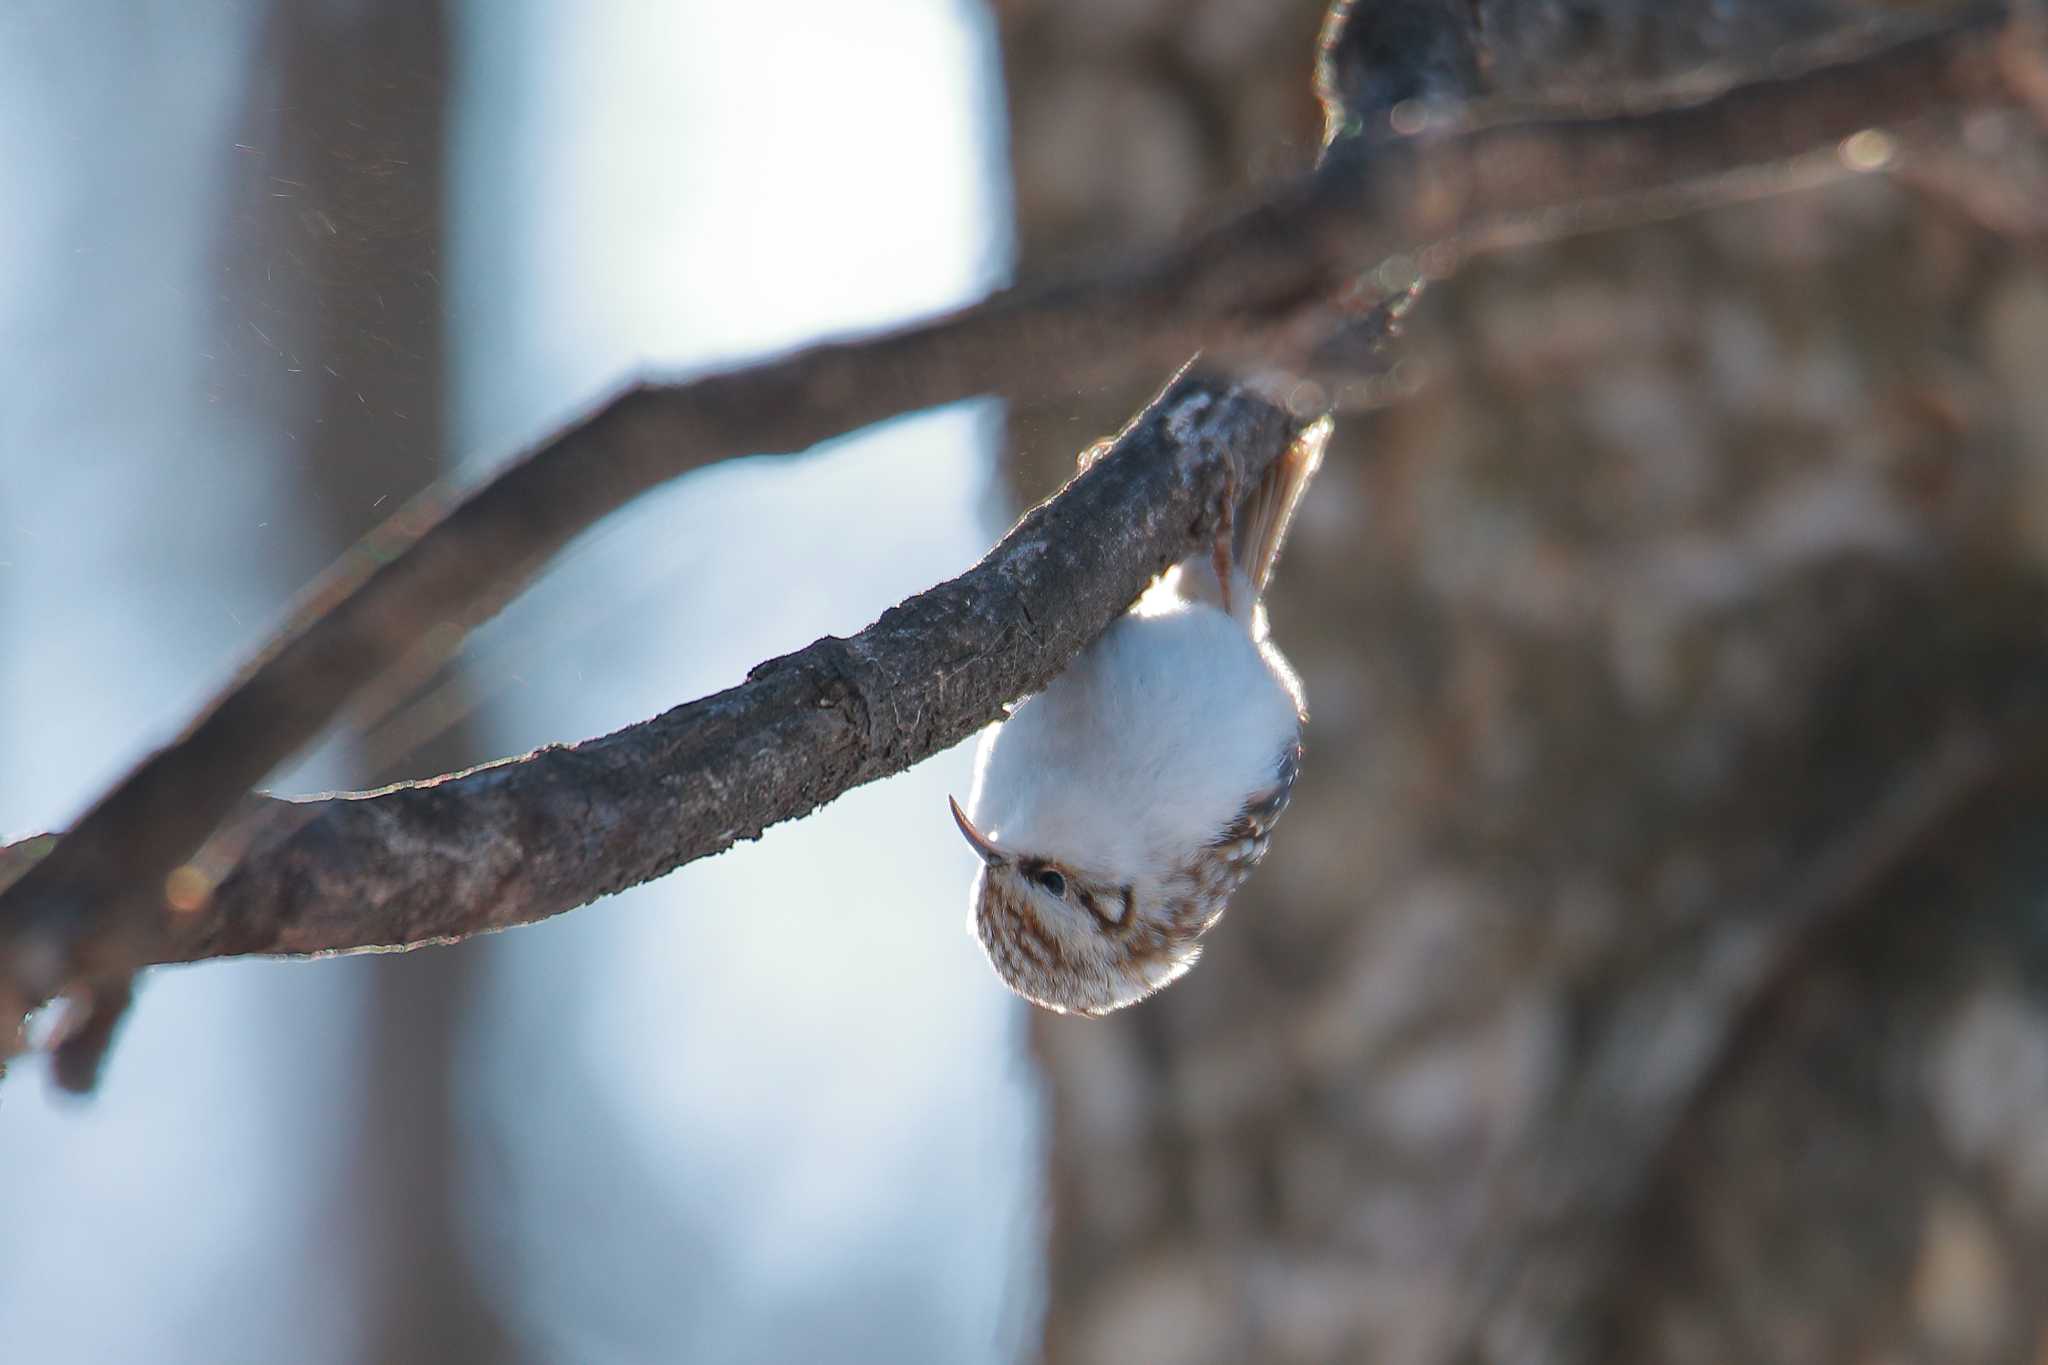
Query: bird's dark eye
[1053, 882]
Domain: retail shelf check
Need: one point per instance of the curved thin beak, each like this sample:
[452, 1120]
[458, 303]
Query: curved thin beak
[988, 852]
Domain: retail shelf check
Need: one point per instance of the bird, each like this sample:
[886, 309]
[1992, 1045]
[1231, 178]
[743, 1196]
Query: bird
[1115, 812]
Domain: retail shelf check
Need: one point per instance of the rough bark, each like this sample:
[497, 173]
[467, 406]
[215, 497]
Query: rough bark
[1650, 967]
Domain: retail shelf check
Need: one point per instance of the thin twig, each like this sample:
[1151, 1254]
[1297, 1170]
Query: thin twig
[96, 1016]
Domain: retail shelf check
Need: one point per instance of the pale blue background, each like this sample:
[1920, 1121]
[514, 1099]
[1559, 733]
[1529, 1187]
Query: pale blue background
[821, 1078]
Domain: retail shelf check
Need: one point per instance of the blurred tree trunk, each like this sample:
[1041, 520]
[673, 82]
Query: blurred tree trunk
[333, 258]
[1654, 963]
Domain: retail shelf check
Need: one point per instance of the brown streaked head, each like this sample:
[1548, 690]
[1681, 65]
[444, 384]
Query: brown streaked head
[1069, 939]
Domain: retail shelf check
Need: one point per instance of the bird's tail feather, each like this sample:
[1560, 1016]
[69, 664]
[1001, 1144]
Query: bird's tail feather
[1267, 510]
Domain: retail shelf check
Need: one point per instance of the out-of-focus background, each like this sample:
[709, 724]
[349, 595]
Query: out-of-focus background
[1639, 640]
[265, 268]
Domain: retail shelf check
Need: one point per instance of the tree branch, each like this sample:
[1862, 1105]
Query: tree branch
[531, 837]
[96, 904]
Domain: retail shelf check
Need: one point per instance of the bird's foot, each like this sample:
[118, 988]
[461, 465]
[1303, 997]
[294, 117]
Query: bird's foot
[1223, 553]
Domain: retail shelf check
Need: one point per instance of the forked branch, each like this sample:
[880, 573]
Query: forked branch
[96, 905]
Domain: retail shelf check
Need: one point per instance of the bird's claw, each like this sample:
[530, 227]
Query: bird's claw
[1222, 555]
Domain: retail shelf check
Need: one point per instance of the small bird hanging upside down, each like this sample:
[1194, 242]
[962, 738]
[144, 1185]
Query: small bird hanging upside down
[1116, 811]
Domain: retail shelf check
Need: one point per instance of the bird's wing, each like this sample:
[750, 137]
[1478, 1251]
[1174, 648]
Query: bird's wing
[1243, 841]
